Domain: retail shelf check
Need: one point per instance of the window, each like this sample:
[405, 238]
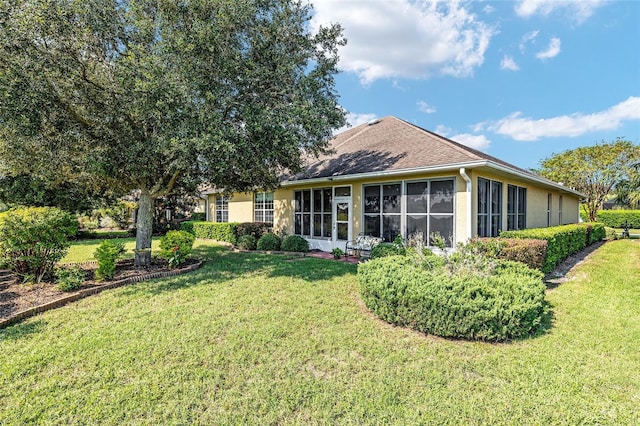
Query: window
[312, 212]
[489, 207]
[263, 207]
[549, 197]
[382, 210]
[222, 209]
[430, 209]
[516, 207]
[322, 213]
[560, 210]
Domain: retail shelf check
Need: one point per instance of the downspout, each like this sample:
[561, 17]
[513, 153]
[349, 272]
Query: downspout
[466, 178]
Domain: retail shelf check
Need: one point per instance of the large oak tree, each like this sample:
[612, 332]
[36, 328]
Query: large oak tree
[144, 95]
[593, 170]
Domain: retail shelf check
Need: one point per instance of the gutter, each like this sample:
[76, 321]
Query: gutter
[467, 179]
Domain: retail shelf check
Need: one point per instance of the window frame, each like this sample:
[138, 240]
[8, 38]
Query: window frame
[222, 208]
[517, 210]
[491, 219]
[304, 216]
[263, 210]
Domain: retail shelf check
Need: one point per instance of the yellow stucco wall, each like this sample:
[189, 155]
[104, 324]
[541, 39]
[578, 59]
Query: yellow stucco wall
[241, 205]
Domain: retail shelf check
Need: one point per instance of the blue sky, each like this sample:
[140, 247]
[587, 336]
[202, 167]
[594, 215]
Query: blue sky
[519, 80]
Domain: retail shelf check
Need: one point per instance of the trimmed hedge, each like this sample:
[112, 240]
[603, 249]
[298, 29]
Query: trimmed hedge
[219, 231]
[617, 218]
[504, 305]
[247, 242]
[562, 241]
[528, 251]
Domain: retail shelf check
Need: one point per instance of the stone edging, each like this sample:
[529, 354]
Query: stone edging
[91, 291]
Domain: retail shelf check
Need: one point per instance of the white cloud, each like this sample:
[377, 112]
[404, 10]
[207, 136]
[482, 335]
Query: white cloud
[552, 51]
[355, 119]
[406, 39]
[425, 107]
[479, 142]
[488, 9]
[442, 130]
[529, 37]
[508, 63]
[530, 129]
[578, 10]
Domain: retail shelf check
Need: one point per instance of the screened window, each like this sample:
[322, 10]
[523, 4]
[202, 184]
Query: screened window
[312, 212]
[489, 207]
[430, 209]
[516, 207]
[222, 209]
[263, 207]
[382, 210]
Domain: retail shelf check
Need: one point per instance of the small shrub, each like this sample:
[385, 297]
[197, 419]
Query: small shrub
[269, 242]
[70, 279]
[33, 239]
[107, 255]
[175, 247]
[247, 242]
[256, 229]
[337, 253]
[198, 216]
[528, 251]
[294, 243]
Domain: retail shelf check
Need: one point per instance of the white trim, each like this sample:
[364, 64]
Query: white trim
[469, 188]
[441, 168]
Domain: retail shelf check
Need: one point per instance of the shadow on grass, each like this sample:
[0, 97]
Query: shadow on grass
[21, 330]
[221, 265]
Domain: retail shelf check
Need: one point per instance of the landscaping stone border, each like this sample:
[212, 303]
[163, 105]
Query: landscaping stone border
[91, 291]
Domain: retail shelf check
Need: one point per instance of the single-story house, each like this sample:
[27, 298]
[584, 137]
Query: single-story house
[389, 177]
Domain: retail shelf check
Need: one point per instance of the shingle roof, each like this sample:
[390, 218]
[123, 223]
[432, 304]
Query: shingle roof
[390, 144]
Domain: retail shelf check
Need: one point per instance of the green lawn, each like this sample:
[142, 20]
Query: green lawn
[261, 339]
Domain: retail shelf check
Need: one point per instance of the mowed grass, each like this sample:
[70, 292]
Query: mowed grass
[265, 339]
[82, 250]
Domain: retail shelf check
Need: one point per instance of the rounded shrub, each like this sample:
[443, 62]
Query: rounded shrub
[247, 242]
[33, 239]
[269, 242]
[176, 246]
[505, 304]
[294, 243]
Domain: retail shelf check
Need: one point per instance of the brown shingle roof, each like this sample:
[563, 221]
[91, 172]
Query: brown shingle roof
[391, 144]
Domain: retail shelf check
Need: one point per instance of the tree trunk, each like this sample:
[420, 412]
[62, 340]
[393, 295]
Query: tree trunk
[144, 229]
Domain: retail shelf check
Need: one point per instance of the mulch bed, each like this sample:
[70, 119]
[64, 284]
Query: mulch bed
[18, 301]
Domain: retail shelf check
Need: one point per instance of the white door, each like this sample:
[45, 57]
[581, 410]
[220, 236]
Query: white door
[342, 215]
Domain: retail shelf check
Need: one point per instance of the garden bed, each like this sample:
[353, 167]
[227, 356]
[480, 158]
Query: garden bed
[19, 301]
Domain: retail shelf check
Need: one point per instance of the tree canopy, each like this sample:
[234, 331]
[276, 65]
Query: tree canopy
[593, 170]
[144, 95]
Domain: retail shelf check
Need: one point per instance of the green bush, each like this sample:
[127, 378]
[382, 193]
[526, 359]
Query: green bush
[256, 229]
[198, 216]
[387, 249]
[247, 242]
[70, 279]
[33, 239]
[219, 231]
[107, 255]
[294, 243]
[506, 304]
[562, 241]
[617, 218]
[176, 246]
[269, 242]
